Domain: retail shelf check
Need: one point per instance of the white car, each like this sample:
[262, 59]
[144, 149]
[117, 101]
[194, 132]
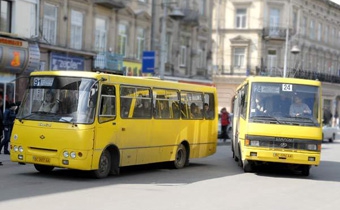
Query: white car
[329, 132]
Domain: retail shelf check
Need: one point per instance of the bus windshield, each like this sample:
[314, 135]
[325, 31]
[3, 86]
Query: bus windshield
[60, 99]
[284, 104]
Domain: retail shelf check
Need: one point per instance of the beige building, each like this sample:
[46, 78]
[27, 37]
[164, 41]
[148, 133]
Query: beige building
[250, 38]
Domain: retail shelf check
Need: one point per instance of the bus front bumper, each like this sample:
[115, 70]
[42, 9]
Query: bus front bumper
[278, 156]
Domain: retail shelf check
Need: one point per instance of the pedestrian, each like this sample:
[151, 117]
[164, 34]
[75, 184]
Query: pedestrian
[8, 121]
[1, 119]
[224, 123]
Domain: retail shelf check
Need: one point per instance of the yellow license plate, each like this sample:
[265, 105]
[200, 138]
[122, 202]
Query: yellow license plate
[41, 159]
[281, 155]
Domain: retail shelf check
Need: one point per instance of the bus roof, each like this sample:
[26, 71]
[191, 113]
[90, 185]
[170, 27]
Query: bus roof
[287, 80]
[155, 82]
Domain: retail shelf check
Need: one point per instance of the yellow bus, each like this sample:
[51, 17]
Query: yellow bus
[101, 122]
[277, 120]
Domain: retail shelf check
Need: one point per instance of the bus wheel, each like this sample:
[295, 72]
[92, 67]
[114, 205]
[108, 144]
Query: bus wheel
[305, 170]
[43, 168]
[247, 166]
[104, 166]
[333, 138]
[181, 157]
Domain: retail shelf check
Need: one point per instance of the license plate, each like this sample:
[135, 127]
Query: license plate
[281, 155]
[41, 159]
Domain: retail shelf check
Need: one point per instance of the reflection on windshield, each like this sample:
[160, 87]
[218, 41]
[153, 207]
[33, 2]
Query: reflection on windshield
[60, 99]
[284, 103]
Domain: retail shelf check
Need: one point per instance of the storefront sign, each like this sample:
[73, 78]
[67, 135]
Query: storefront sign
[61, 61]
[17, 56]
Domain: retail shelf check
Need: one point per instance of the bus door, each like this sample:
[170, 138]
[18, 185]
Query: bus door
[106, 131]
[135, 125]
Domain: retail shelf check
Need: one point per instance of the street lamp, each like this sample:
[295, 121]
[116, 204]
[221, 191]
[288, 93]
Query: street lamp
[176, 14]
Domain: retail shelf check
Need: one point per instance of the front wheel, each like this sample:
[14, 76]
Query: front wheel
[305, 170]
[104, 166]
[181, 157]
[43, 168]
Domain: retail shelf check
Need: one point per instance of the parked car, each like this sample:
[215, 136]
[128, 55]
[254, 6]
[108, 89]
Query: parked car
[329, 132]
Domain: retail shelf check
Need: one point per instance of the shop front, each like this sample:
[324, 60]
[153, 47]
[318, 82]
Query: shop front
[18, 58]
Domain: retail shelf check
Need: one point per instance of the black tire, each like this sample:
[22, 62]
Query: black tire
[333, 138]
[104, 166]
[305, 170]
[43, 168]
[181, 158]
[247, 166]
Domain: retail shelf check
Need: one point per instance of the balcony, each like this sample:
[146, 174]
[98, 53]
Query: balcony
[276, 33]
[315, 76]
[111, 4]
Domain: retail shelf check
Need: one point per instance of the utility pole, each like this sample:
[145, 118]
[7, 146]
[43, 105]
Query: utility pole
[163, 41]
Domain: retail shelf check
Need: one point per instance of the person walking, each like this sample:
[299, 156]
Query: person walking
[224, 123]
[8, 121]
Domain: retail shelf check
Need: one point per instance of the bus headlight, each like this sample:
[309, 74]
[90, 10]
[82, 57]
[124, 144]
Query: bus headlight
[73, 155]
[312, 147]
[21, 149]
[66, 154]
[15, 148]
[255, 143]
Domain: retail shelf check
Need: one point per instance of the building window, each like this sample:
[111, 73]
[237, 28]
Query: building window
[50, 23]
[201, 55]
[311, 30]
[241, 18]
[319, 32]
[201, 7]
[326, 34]
[76, 29]
[5, 19]
[33, 19]
[303, 26]
[271, 60]
[239, 56]
[332, 40]
[140, 42]
[183, 55]
[169, 47]
[274, 22]
[295, 20]
[122, 30]
[100, 34]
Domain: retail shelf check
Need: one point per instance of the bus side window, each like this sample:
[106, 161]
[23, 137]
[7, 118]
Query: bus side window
[176, 110]
[125, 104]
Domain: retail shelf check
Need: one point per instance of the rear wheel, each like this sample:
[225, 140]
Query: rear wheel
[333, 138]
[181, 157]
[43, 168]
[104, 166]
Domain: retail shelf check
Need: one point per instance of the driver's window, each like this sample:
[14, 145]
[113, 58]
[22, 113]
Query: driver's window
[107, 103]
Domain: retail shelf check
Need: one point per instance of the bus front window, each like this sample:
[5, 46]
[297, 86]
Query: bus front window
[284, 103]
[59, 99]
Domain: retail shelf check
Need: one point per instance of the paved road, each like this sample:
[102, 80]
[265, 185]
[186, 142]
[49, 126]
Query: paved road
[210, 183]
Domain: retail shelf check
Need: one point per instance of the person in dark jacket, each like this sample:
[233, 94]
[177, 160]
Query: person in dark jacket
[224, 123]
[1, 119]
[8, 121]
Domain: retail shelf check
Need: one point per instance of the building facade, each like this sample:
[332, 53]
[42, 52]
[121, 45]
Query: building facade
[292, 38]
[104, 35]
